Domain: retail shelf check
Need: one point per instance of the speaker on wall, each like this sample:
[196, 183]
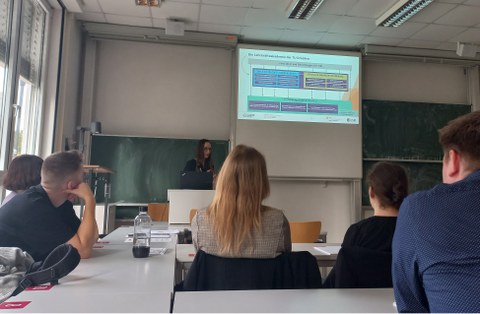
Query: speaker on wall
[175, 28]
[466, 50]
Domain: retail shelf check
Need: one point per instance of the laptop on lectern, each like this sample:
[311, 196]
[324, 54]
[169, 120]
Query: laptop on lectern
[196, 180]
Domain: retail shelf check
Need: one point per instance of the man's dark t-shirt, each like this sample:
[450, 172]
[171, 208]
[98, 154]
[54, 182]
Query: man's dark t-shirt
[31, 222]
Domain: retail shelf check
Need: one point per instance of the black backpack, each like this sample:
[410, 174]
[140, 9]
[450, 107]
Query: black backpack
[59, 263]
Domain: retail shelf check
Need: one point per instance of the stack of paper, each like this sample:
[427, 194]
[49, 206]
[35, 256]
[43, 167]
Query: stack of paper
[165, 231]
[153, 239]
[154, 234]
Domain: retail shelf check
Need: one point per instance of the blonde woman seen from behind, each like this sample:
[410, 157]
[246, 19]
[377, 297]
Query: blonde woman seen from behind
[236, 224]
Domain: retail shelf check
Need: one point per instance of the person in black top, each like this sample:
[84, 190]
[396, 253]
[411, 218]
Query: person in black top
[42, 217]
[23, 172]
[387, 187]
[203, 161]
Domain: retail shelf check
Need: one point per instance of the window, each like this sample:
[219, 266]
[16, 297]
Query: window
[5, 38]
[22, 42]
[28, 100]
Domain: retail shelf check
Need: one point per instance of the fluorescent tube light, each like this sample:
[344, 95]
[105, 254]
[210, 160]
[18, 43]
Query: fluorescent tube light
[302, 9]
[401, 12]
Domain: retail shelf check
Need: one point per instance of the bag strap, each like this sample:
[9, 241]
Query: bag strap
[59, 263]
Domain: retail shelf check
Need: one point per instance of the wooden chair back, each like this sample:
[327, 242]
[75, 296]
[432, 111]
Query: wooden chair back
[192, 214]
[158, 211]
[305, 231]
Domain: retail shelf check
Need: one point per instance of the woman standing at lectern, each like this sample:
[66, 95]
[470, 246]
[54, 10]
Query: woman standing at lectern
[203, 161]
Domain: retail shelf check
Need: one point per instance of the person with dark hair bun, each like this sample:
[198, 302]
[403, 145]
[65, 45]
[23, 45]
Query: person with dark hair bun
[23, 172]
[387, 188]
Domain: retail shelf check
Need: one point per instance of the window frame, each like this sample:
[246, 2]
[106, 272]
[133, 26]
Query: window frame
[12, 66]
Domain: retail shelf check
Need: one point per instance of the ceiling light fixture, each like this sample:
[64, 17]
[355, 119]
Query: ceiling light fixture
[149, 3]
[401, 12]
[302, 9]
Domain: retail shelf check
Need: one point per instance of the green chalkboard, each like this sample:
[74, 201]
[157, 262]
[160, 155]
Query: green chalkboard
[146, 167]
[407, 133]
[405, 130]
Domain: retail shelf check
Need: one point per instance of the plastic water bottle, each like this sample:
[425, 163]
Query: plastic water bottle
[142, 229]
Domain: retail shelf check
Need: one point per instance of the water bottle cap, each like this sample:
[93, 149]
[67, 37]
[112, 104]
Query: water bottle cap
[143, 208]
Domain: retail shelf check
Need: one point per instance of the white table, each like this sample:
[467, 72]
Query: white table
[112, 280]
[286, 301]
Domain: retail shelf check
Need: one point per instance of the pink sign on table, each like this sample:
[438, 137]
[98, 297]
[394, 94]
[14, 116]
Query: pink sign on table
[14, 305]
[39, 288]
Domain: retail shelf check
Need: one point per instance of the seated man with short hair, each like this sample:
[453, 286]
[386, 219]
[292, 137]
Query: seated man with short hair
[436, 246]
[43, 217]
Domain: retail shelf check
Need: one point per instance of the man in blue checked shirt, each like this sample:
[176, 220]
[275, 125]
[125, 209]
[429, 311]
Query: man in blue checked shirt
[436, 246]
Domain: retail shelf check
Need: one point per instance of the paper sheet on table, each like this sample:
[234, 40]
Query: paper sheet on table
[158, 250]
[165, 231]
[153, 235]
[130, 240]
[328, 250]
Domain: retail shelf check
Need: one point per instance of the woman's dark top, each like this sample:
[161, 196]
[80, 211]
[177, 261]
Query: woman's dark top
[374, 233]
[192, 166]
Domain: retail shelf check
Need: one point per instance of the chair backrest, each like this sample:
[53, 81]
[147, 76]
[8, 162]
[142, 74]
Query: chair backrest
[305, 231]
[158, 211]
[292, 270]
[192, 214]
[358, 267]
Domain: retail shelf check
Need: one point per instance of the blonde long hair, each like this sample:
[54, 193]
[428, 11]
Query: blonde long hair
[236, 209]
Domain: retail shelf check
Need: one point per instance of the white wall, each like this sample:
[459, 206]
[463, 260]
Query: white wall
[183, 91]
[162, 90]
[414, 81]
[315, 200]
[68, 107]
[51, 68]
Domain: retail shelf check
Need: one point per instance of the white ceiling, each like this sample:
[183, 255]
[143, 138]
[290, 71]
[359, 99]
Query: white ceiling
[345, 24]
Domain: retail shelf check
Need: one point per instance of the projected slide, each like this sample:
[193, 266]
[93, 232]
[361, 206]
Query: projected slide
[297, 86]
